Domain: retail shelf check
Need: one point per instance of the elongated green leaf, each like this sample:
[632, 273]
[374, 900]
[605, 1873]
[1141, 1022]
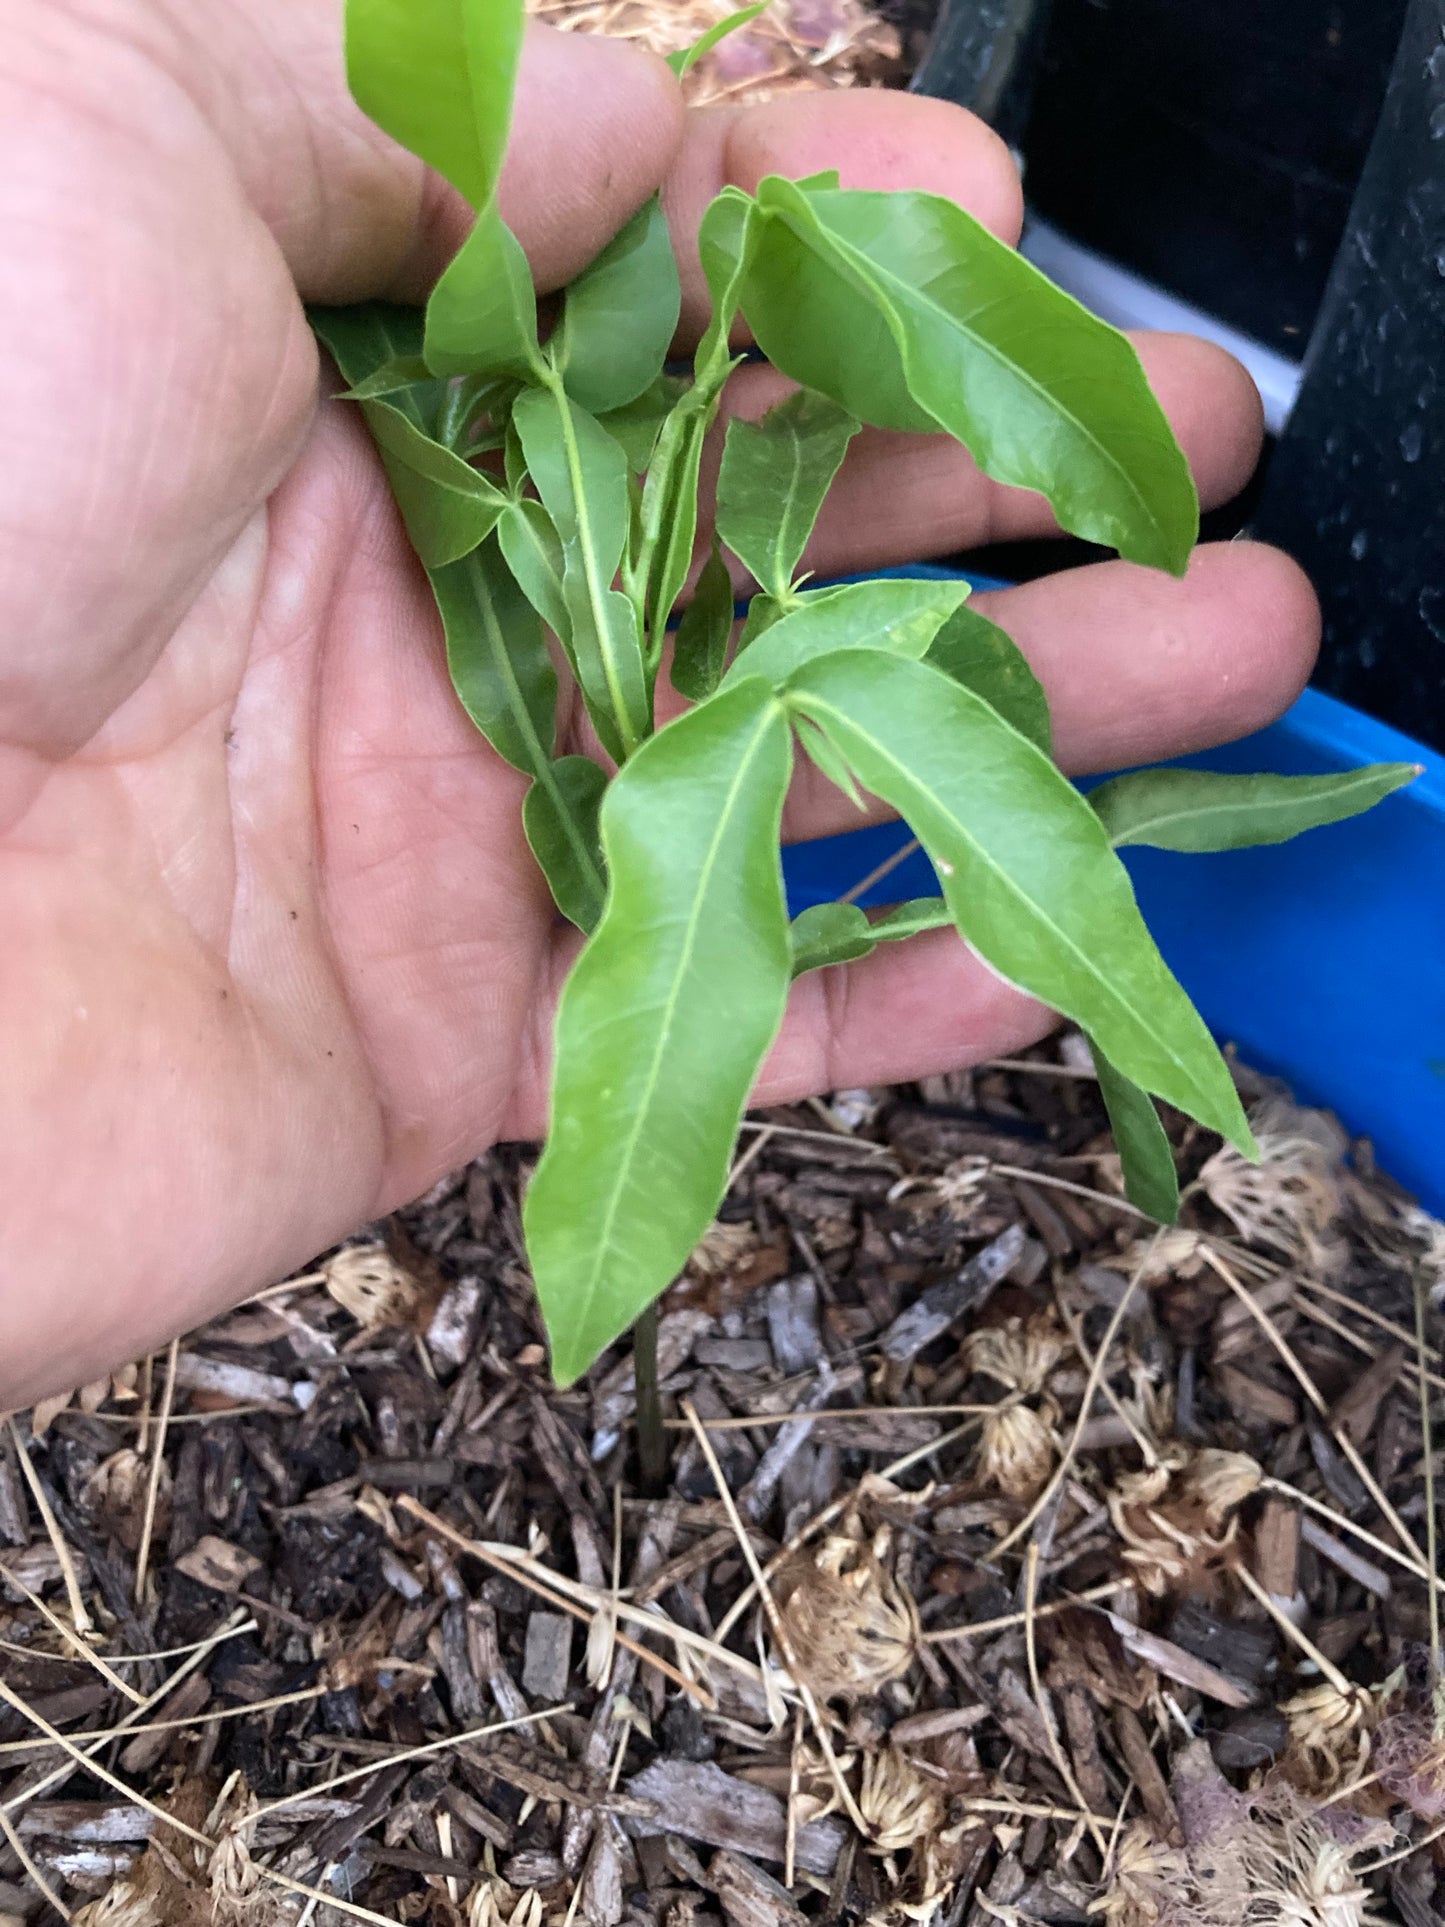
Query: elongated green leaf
[1199, 810]
[1150, 1178]
[1025, 867]
[825, 758]
[560, 818]
[665, 1019]
[833, 933]
[581, 476]
[637, 426]
[534, 555]
[700, 647]
[503, 674]
[448, 507]
[400, 373]
[775, 473]
[686, 58]
[619, 316]
[438, 75]
[899, 614]
[911, 315]
[725, 239]
[984, 658]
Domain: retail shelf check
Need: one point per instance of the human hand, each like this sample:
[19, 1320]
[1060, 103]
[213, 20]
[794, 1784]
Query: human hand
[276, 955]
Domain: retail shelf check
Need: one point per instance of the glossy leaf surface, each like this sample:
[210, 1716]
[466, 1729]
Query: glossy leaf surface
[1150, 1178]
[581, 475]
[619, 316]
[1202, 810]
[482, 315]
[664, 1021]
[897, 614]
[984, 658]
[1025, 867]
[700, 647]
[911, 315]
[370, 338]
[534, 555]
[774, 476]
[501, 670]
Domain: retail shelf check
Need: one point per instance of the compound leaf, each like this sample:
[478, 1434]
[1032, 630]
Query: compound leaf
[911, 315]
[700, 647]
[774, 476]
[619, 316]
[1203, 810]
[665, 1019]
[1025, 866]
[901, 614]
[1150, 1178]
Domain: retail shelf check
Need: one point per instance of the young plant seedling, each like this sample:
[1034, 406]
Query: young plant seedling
[550, 486]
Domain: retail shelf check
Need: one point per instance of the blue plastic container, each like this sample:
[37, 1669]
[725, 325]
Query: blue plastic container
[1323, 959]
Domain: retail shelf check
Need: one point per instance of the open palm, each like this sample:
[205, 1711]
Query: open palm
[275, 954]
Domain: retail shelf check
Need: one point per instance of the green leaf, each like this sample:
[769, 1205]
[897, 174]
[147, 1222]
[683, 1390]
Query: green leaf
[975, 652]
[665, 1019]
[900, 614]
[686, 58]
[439, 75]
[581, 475]
[392, 377]
[482, 315]
[775, 473]
[911, 315]
[534, 555]
[1025, 867]
[1200, 810]
[560, 818]
[619, 316]
[825, 758]
[448, 506]
[828, 933]
[636, 427]
[372, 337]
[832, 933]
[700, 647]
[1150, 1178]
[501, 670]
[725, 239]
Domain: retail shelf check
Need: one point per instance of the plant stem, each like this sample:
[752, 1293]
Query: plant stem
[651, 1434]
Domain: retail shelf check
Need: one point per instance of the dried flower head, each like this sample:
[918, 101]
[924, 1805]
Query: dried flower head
[851, 1626]
[1329, 1737]
[1016, 1452]
[237, 1897]
[366, 1281]
[1177, 1517]
[1249, 1860]
[1287, 1202]
[901, 1803]
[1020, 1356]
[1175, 1252]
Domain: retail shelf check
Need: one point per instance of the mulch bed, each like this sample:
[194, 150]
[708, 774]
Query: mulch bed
[1094, 1559]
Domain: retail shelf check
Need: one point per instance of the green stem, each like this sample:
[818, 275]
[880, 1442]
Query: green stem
[651, 1434]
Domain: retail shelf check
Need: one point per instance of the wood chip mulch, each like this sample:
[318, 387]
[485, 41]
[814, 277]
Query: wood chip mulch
[1094, 1560]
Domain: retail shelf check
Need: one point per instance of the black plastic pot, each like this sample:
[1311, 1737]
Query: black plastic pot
[1282, 168]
